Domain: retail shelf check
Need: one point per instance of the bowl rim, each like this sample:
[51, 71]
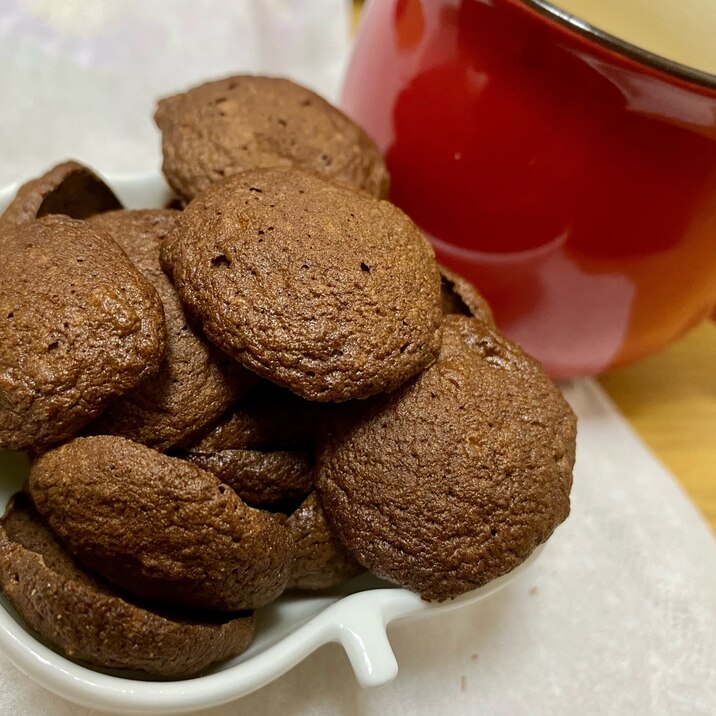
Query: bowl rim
[357, 622]
[575, 24]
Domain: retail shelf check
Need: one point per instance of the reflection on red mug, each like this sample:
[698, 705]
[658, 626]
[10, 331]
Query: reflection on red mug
[569, 175]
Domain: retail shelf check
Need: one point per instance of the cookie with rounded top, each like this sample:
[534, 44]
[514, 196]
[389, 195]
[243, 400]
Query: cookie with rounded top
[158, 527]
[224, 127]
[79, 326]
[452, 480]
[323, 290]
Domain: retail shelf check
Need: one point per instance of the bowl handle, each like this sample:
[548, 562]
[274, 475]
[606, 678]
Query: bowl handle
[366, 644]
[359, 625]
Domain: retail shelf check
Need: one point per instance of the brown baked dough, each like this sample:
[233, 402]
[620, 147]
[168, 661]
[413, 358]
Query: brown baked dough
[321, 289]
[79, 326]
[321, 560]
[85, 620]
[461, 297]
[159, 527]
[454, 479]
[69, 188]
[196, 382]
[266, 418]
[222, 128]
[260, 479]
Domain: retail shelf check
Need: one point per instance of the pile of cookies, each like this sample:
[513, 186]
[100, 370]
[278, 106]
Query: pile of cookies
[268, 385]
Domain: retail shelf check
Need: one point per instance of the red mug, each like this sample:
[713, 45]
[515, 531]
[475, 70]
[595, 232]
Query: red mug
[570, 175]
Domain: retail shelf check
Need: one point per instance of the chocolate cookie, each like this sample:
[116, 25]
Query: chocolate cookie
[260, 479]
[324, 290]
[267, 418]
[69, 188]
[79, 326]
[461, 297]
[85, 620]
[225, 127]
[159, 527]
[196, 383]
[454, 479]
[321, 560]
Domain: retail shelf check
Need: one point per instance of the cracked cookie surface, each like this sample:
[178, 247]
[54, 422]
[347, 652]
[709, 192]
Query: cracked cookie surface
[224, 127]
[79, 326]
[159, 527]
[452, 480]
[321, 289]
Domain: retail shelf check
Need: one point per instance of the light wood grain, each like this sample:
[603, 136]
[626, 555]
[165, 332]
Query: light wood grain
[670, 399]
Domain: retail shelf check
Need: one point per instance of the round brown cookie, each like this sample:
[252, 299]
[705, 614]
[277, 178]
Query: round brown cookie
[321, 560]
[461, 297]
[324, 290]
[454, 479]
[267, 418]
[79, 326]
[85, 620]
[196, 383]
[69, 188]
[159, 527]
[260, 479]
[225, 127]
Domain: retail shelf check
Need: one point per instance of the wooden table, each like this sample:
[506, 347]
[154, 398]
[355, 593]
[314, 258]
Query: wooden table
[670, 399]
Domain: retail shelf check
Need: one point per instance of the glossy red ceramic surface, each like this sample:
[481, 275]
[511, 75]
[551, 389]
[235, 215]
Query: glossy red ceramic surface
[574, 186]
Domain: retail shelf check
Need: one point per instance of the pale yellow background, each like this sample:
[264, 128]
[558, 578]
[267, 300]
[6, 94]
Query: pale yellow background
[680, 30]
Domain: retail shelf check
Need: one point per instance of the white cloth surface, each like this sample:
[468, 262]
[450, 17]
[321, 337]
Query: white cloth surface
[80, 78]
[618, 616]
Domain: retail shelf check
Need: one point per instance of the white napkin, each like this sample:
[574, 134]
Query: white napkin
[80, 78]
[617, 616]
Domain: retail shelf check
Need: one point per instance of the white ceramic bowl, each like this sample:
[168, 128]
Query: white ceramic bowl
[354, 615]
